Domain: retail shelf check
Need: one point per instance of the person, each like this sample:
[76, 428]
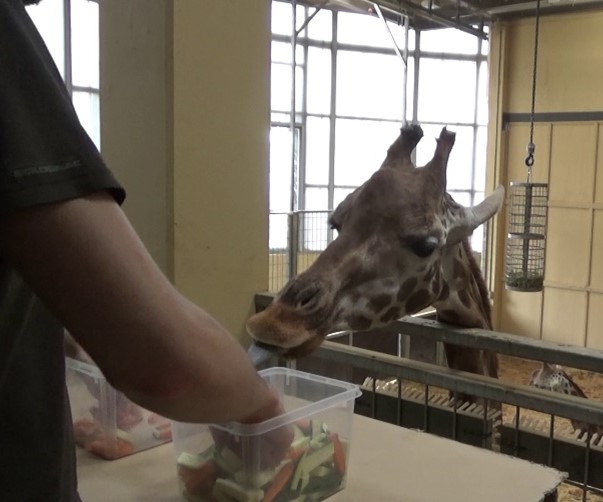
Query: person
[69, 258]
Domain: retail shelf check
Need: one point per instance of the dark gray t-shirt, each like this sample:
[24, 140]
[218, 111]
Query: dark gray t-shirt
[45, 156]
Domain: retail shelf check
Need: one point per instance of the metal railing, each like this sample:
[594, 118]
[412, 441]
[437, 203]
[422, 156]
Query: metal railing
[501, 416]
[296, 239]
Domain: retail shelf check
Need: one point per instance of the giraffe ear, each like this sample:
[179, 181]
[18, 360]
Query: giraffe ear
[469, 218]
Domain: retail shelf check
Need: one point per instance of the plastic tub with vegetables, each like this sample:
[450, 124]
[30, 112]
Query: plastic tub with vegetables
[233, 462]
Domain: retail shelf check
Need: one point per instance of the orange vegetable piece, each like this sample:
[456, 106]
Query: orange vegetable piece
[199, 482]
[110, 448]
[279, 482]
[295, 454]
[338, 453]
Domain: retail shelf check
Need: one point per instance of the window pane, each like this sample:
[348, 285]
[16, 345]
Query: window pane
[340, 194]
[369, 85]
[410, 89]
[280, 88]
[363, 29]
[278, 231]
[317, 151]
[85, 43]
[87, 107]
[281, 53]
[319, 80]
[482, 94]
[282, 118]
[460, 164]
[447, 91]
[317, 199]
[449, 40]
[321, 26]
[280, 169]
[360, 148]
[486, 43]
[49, 20]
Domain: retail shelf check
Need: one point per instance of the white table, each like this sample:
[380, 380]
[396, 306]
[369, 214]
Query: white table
[387, 463]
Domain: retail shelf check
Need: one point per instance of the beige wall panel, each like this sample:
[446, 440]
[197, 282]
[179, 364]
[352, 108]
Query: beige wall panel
[221, 131]
[569, 64]
[596, 273]
[594, 333]
[518, 138]
[568, 247]
[599, 169]
[136, 127]
[520, 313]
[564, 318]
[573, 154]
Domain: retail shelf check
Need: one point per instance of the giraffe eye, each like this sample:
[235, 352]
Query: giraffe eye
[424, 247]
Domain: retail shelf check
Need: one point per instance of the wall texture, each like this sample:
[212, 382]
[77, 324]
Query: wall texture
[569, 156]
[185, 115]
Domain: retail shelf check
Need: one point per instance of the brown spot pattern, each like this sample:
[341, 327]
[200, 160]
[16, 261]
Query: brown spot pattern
[391, 315]
[465, 298]
[407, 288]
[457, 269]
[379, 302]
[444, 293]
[418, 301]
[359, 322]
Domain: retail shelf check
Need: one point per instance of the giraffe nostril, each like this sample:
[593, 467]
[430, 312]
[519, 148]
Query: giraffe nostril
[308, 296]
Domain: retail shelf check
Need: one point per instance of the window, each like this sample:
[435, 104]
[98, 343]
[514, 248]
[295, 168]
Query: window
[350, 101]
[70, 29]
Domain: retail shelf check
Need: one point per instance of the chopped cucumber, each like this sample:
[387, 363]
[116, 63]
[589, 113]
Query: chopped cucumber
[316, 428]
[195, 461]
[318, 441]
[228, 460]
[256, 480]
[237, 492]
[299, 471]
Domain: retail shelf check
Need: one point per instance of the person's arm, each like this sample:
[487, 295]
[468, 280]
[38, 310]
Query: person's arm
[83, 258]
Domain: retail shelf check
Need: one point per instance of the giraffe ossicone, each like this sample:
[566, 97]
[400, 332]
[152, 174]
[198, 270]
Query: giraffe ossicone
[401, 246]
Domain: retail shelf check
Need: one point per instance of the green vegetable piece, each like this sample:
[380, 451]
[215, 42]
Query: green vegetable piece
[299, 470]
[237, 492]
[300, 443]
[318, 441]
[318, 457]
[228, 460]
[195, 461]
[316, 428]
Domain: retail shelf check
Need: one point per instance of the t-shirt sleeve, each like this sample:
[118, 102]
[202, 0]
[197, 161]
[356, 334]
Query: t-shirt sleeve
[45, 154]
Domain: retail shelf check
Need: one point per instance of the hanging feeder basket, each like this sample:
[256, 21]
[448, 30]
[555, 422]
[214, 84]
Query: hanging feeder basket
[527, 217]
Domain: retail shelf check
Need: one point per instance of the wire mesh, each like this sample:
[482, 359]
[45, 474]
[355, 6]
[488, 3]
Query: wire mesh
[525, 253]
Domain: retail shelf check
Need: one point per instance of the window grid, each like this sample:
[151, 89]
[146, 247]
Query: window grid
[467, 194]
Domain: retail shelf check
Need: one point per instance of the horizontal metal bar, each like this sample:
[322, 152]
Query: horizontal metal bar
[525, 396]
[509, 118]
[503, 343]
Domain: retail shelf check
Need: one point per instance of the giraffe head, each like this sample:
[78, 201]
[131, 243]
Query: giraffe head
[393, 234]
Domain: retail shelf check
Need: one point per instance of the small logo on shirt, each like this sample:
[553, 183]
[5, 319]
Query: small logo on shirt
[25, 172]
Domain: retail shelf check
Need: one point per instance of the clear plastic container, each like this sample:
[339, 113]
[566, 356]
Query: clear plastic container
[235, 462]
[105, 421]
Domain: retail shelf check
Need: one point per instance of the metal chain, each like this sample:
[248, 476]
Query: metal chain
[531, 148]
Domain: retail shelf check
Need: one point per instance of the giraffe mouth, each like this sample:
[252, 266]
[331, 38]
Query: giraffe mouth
[260, 352]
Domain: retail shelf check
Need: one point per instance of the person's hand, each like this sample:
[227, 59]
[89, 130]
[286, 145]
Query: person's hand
[272, 446]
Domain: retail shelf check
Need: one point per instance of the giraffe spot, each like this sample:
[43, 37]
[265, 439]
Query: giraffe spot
[448, 315]
[457, 269]
[406, 289]
[429, 275]
[391, 315]
[418, 301]
[444, 292]
[379, 302]
[465, 298]
[359, 322]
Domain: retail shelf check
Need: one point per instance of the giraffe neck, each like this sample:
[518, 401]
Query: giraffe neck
[464, 298]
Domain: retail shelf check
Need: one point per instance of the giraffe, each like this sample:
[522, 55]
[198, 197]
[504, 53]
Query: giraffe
[402, 245]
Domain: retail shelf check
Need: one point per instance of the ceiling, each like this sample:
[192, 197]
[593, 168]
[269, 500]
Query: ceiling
[467, 15]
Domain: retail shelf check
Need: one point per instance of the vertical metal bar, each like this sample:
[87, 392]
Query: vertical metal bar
[551, 440]
[485, 425]
[516, 445]
[405, 76]
[293, 243]
[68, 46]
[332, 123]
[454, 415]
[399, 404]
[292, 205]
[426, 410]
[525, 259]
[586, 464]
[374, 399]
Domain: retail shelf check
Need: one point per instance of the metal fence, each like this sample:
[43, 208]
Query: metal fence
[508, 417]
[296, 239]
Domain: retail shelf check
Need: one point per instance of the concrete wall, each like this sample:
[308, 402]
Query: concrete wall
[569, 156]
[185, 127]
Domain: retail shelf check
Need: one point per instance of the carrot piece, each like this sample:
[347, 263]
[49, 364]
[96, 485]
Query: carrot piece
[305, 424]
[110, 448]
[279, 482]
[338, 453]
[199, 482]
